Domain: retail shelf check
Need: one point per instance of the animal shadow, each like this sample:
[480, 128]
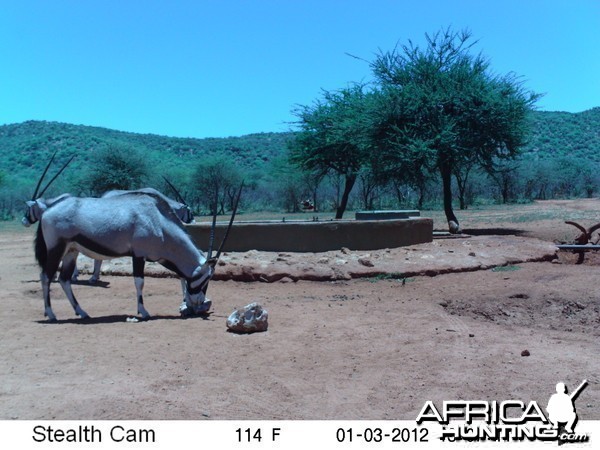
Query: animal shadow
[99, 283]
[493, 231]
[122, 318]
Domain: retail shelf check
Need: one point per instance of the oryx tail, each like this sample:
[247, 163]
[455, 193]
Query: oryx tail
[41, 251]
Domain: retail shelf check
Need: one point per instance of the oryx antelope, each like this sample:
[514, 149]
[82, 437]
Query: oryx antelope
[140, 225]
[180, 208]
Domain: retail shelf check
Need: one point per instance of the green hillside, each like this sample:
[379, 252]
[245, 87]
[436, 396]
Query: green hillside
[26, 147]
[561, 160]
[559, 134]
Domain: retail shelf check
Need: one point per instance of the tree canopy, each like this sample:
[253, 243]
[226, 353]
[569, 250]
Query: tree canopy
[437, 108]
[117, 168]
[335, 136]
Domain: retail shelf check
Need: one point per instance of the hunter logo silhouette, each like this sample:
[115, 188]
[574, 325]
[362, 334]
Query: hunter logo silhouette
[561, 406]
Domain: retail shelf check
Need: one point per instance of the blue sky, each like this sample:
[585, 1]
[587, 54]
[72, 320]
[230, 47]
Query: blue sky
[232, 67]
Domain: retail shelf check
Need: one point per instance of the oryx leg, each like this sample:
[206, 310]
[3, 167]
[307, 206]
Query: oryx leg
[138, 276]
[96, 275]
[45, 279]
[68, 267]
[183, 308]
[49, 269]
[75, 276]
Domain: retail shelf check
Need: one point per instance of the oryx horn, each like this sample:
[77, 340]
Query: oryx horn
[179, 196]
[211, 239]
[235, 207]
[57, 174]
[35, 193]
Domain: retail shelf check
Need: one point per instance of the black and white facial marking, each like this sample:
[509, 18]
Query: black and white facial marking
[34, 209]
[32, 213]
[186, 214]
[194, 289]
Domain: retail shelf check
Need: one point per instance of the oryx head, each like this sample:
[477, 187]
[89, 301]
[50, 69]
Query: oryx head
[195, 300]
[36, 206]
[185, 212]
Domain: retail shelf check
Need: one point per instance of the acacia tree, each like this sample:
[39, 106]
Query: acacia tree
[220, 180]
[506, 179]
[444, 104]
[116, 167]
[335, 137]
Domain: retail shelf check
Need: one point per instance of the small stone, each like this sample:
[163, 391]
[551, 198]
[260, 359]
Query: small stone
[345, 250]
[525, 353]
[366, 262]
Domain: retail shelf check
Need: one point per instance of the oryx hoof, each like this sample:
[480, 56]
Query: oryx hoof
[50, 315]
[81, 313]
[204, 307]
[51, 319]
[145, 315]
[93, 280]
[185, 311]
[189, 311]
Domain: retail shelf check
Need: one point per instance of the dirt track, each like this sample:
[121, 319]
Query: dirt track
[363, 346]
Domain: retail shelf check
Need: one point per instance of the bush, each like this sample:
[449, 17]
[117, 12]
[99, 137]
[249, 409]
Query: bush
[116, 168]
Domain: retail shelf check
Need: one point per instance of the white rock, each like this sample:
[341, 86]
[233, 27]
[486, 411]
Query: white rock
[248, 319]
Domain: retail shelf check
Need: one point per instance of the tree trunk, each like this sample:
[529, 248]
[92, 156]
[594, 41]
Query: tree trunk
[505, 192]
[348, 185]
[462, 204]
[446, 173]
[461, 182]
[421, 189]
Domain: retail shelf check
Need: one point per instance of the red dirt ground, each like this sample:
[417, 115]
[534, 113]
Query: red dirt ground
[379, 335]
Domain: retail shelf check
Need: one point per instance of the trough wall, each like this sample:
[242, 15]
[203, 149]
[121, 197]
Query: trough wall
[297, 236]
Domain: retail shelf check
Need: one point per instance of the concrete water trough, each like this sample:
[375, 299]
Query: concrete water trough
[316, 236]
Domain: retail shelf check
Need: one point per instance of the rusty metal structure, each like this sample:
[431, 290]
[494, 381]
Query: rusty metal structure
[583, 242]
